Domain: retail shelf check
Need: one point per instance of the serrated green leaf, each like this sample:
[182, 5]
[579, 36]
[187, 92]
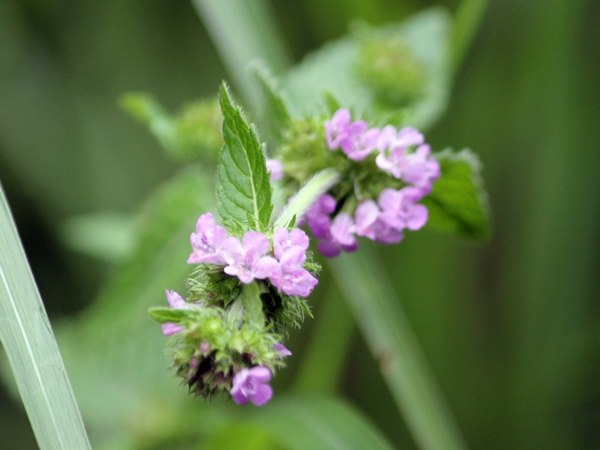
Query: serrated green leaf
[458, 203]
[164, 314]
[333, 68]
[244, 190]
[276, 115]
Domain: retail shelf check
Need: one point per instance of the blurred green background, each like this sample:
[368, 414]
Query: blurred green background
[512, 328]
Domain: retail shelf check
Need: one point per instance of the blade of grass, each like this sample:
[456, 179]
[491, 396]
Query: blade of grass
[242, 31]
[466, 22]
[32, 350]
[386, 329]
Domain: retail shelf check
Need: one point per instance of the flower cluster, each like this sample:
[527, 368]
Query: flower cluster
[216, 345]
[249, 258]
[401, 154]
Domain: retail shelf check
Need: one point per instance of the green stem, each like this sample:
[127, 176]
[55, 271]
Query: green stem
[32, 351]
[322, 366]
[371, 297]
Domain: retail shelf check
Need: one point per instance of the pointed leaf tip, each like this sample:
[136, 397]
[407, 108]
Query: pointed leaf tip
[244, 190]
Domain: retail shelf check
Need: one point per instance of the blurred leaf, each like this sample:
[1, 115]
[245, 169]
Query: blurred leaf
[113, 352]
[276, 115]
[193, 136]
[322, 423]
[31, 348]
[331, 103]
[108, 236]
[386, 329]
[242, 436]
[145, 108]
[244, 189]
[458, 203]
[332, 69]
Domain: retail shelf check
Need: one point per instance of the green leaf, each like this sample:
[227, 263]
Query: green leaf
[242, 436]
[331, 103]
[164, 314]
[113, 345]
[333, 68]
[244, 190]
[31, 348]
[191, 136]
[276, 115]
[316, 186]
[253, 304]
[370, 295]
[105, 235]
[322, 422]
[458, 203]
[145, 108]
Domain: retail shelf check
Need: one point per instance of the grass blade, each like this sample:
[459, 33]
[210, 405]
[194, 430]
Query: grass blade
[243, 31]
[32, 350]
[385, 327]
[468, 17]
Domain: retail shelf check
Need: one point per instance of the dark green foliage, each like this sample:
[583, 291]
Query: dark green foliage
[458, 203]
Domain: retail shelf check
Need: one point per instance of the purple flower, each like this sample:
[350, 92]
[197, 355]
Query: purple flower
[337, 128]
[252, 384]
[359, 142]
[341, 237]
[246, 260]
[207, 241]
[280, 348]
[369, 224]
[276, 168]
[175, 301]
[392, 147]
[318, 218]
[400, 209]
[289, 276]
[420, 170]
[282, 240]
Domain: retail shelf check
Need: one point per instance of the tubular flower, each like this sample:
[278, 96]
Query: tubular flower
[252, 384]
